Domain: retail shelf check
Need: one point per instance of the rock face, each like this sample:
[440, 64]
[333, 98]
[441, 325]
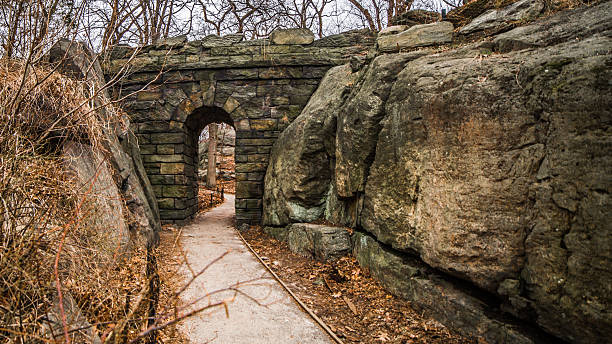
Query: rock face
[301, 162]
[124, 156]
[320, 242]
[94, 179]
[413, 280]
[496, 20]
[495, 173]
[292, 36]
[417, 36]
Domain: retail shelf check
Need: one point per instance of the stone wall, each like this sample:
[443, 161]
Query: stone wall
[259, 87]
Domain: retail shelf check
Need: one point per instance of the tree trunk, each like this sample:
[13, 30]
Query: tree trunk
[211, 174]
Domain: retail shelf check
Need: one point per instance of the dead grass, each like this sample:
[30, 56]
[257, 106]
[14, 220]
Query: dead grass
[169, 254]
[49, 250]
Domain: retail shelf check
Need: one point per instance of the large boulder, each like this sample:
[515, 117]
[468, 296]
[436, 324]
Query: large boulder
[496, 20]
[120, 143]
[101, 204]
[302, 159]
[417, 36]
[359, 121]
[318, 241]
[493, 172]
[292, 36]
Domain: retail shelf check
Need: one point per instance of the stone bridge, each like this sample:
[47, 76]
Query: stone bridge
[259, 87]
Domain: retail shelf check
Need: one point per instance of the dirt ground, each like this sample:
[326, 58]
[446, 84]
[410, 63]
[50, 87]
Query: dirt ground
[348, 299]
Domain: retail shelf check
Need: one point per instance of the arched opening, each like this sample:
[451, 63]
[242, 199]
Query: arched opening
[197, 127]
[216, 153]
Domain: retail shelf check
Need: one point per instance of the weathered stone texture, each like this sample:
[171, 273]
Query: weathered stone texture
[124, 158]
[318, 241]
[292, 36]
[301, 162]
[259, 87]
[493, 171]
[417, 36]
[496, 20]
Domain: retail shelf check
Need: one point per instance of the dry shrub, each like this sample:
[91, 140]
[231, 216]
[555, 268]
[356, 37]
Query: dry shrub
[45, 234]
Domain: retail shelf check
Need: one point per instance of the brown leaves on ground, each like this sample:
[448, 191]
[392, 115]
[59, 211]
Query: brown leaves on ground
[170, 258]
[208, 197]
[348, 299]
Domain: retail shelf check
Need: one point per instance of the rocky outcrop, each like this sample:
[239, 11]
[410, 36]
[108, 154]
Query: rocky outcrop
[292, 36]
[320, 242]
[417, 36]
[301, 163]
[122, 153]
[496, 20]
[489, 172]
[101, 202]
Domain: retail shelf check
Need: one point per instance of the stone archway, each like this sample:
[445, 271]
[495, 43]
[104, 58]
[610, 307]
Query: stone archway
[258, 87]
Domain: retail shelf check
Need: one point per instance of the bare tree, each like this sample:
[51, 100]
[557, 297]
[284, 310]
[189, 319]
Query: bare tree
[211, 174]
[380, 13]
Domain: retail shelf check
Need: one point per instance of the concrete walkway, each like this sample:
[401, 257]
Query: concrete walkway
[280, 321]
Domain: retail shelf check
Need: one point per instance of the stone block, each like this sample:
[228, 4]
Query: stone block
[236, 50]
[280, 73]
[242, 125]
[254, 142]
[392, 30]
[314, 71]
[245, 189]
[272, 134]
[241, 203]
[167, 138]
[157, 190]
[161, 179]
[263, 124]
[280, 100]
[180, 179]
[256, 176]
[264, 149]
[318, 241]
[259, 158]
[284, 49]
[230, 104]
[149, 95]
[251, 167]
[165, 149]
[254, 203]
[143, 138]
[182, 203]
[246, 149]
[292, 36]
[172, 168]
[162, 158]
[238, 158]
[417, 36]
[237, 74]
[153, 127]
[241, 176]
[248, 216]
[166, 214]
[147, 149]
[177, 191]
[165, 203]
[178, 76]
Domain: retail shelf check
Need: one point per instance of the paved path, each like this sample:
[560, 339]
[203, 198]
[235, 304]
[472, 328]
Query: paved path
[281, 321]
